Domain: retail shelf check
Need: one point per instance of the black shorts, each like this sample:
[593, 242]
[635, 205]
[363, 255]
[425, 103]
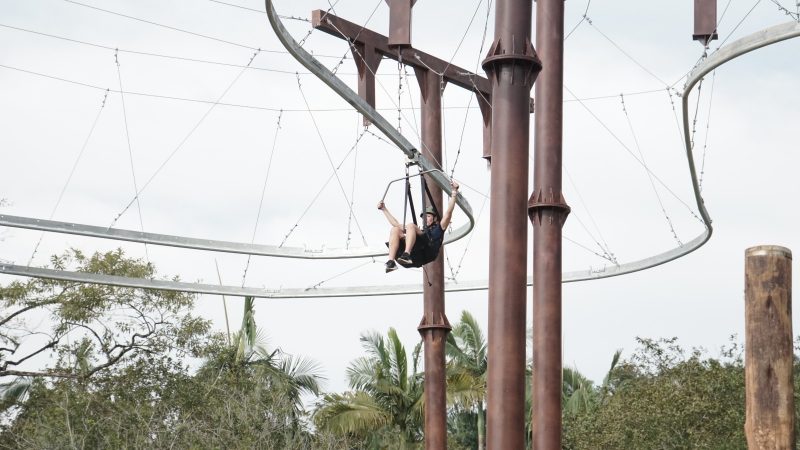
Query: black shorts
[421, 253]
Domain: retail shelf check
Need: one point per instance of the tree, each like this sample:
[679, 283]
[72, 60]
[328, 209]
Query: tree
[467, 368]
[154, 401]
[661, 399]
[122, 376]
[288, 376]
[88, 328]
[384, 408]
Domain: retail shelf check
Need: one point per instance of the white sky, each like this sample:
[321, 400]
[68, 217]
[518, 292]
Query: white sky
[211, 186]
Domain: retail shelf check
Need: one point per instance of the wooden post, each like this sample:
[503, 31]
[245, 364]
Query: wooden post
[769, 393]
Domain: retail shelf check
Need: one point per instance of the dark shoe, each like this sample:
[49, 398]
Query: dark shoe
[390, 266]
[405, 258]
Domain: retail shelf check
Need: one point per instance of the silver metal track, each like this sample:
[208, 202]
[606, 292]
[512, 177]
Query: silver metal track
[196, 243]
[757, 40]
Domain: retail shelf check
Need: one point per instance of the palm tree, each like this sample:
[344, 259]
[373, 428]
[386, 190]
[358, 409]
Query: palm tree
[467, 369]
[578, 393]
[13, 392]
[287, 376]
[386, 398]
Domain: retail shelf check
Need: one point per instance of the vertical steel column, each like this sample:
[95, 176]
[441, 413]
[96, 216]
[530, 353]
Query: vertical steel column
[548, 211]
[511, 66]
[768, 355]
[434, 325]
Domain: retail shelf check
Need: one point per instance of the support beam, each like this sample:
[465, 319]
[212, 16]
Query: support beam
[434, 325]
[400, 21]
[377, 45]
[768, 363]
[354, 33]
[512, 67]
[367, 62]
[705, 21]
[548, 211]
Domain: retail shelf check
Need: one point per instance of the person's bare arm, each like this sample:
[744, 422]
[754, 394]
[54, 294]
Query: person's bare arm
[448, 214]
[388, 215]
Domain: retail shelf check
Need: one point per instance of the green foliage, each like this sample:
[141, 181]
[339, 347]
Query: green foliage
[121, 375]
[467, 368]
[154, 402]
[90, 327]
[661, 399]
[384, 409]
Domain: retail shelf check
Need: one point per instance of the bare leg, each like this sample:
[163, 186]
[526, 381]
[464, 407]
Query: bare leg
[395, 235]
[411, 236]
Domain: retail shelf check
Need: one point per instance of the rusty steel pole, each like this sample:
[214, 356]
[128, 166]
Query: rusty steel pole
[548, 212]
[511, 66]
[434, 325]
[769, 389]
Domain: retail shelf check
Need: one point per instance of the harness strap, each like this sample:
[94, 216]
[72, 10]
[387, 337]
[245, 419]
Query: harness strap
[411, 201]
[430, 198]
[408, 199]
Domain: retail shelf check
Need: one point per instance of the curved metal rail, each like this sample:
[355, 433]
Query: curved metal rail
[747, 44]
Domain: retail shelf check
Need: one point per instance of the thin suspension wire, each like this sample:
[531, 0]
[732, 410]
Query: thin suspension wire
[130, 154]
[444, 123]
[722, 16]
[71, 173]
[350, 44]
[302, 41]
[324, 185]
[399, 94]
[415, 124]
[583, 18]
[353, 185]
[464, 36]
[389, 95]
[167, 97]
[604, 247]
[785, 11]
[379, 83]
[356, 267]
[461, 137]
[739, 24]
[158, 55]
[268, 108]
[627, 149]
[330, 161]
[182, 142]
[243, 7]
[678, 127]
[454, 273]
[604, 256]
[649, 174]
[606, 97]
[150, 22]
[696, 114]
[263, 193]
[441, 81]
[634, 60]
[332, 5]
[180, 30]
[708, 127]
[477, 63]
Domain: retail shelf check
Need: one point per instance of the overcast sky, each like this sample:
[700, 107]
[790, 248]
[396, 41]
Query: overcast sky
[201, 166]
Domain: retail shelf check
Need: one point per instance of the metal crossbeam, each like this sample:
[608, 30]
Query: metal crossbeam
[357, 34]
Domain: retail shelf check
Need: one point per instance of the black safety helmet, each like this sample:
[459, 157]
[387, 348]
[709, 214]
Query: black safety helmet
[429, 210]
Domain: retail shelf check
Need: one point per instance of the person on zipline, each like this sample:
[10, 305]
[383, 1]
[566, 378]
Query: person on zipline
[421, 246]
